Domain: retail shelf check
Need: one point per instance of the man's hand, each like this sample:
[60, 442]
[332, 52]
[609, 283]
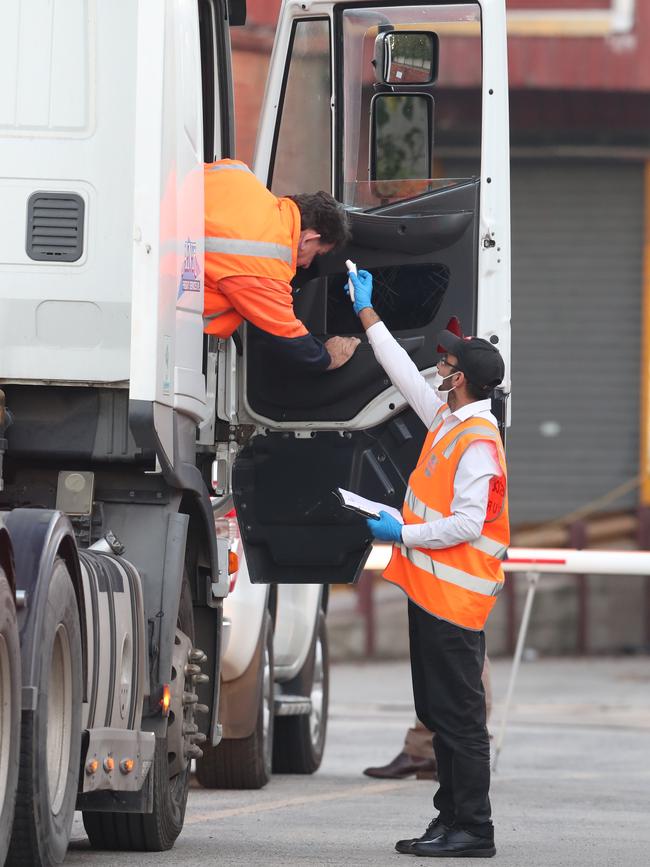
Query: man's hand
[362, 283]
[385, 528]
[341, 349]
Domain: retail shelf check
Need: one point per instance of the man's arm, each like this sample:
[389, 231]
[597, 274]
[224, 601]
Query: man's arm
[368, 317]
[403, 373]
[305, 351]
[267, 304]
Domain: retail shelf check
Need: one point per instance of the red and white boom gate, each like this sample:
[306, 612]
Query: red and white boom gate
[564, 561]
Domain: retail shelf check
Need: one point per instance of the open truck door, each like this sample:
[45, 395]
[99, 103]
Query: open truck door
[371, 102]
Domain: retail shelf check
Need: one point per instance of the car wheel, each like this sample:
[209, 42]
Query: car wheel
[245, 763]
[299, 741]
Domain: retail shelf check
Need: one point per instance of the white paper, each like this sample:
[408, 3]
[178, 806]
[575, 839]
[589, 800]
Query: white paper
[366, 507]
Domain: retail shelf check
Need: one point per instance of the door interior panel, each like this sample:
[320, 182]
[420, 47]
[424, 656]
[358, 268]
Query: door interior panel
[414, 234]
[423, 257]
[447, 200]
[293, 525]
[414, 293]
[337, 396]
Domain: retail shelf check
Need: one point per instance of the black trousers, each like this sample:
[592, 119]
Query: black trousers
[446, 666]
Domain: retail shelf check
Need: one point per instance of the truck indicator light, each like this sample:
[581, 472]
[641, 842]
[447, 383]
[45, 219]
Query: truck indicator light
[166, 700]
[109, 764]
[127, 765]
[91, 767]
[233, 566]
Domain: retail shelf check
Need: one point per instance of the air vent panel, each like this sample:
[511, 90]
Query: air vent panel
[55, 227]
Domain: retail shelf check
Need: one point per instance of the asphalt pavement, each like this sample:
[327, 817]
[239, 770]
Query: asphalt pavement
[572, 787]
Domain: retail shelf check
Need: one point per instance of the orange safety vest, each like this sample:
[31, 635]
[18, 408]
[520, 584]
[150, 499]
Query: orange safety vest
[459, 584]
[249, 232]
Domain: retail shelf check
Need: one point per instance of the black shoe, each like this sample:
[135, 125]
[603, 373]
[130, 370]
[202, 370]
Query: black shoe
[434, 830]
[401, 767]
[456, 843]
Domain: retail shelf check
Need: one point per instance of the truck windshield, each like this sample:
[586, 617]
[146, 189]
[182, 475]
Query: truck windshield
[407, 110]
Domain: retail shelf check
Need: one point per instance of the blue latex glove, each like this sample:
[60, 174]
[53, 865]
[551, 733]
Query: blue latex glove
[362, 283]
[385, 528]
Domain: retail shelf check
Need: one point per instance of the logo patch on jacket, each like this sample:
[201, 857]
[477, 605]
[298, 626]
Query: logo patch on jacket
[189, 281]
[430, 465]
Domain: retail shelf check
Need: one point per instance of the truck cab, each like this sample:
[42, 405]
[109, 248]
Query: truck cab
[104, 489]
[362, 101]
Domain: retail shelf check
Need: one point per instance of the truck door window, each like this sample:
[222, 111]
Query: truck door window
[385, 121]
[208, 75]
[215, 83]
[302, 152]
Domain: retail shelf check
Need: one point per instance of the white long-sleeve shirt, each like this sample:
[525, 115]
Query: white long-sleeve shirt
[475, 468]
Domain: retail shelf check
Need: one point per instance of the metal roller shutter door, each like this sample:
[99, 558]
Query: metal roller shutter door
[577, 241]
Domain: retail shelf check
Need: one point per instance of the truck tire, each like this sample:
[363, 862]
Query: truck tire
[10, 695]
[299, 741]
[156, 831]
[51, 735]
[245, 763]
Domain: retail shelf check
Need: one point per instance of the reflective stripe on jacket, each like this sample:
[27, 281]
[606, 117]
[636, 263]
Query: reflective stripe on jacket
[459, 584]
[249, 232]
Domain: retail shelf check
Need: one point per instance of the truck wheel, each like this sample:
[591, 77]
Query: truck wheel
[10, 694]
[156, 831]
[300, 740]
[51, 735]
[245, 763]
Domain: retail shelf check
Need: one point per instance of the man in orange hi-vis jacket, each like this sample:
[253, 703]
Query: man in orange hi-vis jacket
[254, 242]
[447, 557]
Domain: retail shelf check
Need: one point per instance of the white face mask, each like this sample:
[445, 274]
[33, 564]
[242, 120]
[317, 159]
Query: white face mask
[437, 385]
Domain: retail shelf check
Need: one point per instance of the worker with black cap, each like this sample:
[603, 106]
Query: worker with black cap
[447, 557]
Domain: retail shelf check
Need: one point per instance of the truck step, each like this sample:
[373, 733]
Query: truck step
[292, 705]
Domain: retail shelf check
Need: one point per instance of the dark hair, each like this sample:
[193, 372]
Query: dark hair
[478, 392]
[322, 213]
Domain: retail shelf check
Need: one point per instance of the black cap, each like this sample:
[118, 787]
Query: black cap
[478, 359]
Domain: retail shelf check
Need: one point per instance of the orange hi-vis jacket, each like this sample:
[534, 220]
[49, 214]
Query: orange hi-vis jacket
[251, 245]
[458, 584]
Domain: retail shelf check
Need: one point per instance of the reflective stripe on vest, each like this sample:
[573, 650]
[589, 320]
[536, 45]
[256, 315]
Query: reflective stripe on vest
[217, 315]
[465, 432]
[231, 167]
[241, 247]
[420, 509]
[427, 514]
[451, 574]
[438, 419]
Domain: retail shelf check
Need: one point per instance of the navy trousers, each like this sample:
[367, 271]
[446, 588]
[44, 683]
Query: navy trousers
[446, 667]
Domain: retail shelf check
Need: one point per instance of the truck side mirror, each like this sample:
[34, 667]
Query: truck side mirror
[401, 136]
[406, 57]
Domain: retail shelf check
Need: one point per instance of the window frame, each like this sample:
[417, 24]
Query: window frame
[220, 112]
[338, 56]
[283, 91]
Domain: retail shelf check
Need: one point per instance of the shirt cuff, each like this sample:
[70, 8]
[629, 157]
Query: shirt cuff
[410, 535]
[378, 334]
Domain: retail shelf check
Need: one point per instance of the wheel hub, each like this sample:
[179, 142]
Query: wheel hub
[183, 735]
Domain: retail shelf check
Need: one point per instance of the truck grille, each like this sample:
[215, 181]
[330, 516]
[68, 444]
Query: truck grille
[55, 227]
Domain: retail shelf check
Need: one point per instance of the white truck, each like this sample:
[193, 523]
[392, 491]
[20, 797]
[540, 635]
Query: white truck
[108, 538]
[120, 422]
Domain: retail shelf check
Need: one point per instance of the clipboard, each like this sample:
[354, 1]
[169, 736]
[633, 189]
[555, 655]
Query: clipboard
[367, 508]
